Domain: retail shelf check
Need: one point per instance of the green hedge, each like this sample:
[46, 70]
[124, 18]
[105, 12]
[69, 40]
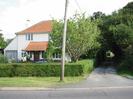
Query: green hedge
[48, 69]
[87, 65]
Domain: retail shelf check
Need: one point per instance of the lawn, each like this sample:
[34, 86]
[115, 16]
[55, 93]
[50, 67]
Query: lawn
[37, 81]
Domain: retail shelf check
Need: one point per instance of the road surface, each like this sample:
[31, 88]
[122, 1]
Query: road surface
[77, 93]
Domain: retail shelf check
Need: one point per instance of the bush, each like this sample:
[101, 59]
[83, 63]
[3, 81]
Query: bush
[3, 59]
[127, 63]
[46, 70]
[125, 68]
[6, 70]
[87, 65]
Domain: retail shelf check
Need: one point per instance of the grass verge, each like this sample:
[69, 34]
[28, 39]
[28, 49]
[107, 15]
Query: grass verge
[37, 81]
[125, 73]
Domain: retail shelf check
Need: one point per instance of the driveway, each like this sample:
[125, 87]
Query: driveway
[103, 77]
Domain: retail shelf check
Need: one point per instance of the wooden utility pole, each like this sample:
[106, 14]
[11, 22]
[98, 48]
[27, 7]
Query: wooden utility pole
[64, 42]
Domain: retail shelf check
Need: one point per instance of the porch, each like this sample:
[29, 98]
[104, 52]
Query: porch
[36, 55]
[35, 51]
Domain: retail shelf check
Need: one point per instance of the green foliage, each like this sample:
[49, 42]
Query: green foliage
[55, 39]
[56, 35]
[3, 59]
[128, 9]
[90, 54]
[87, 65]
[82, 34]
[125, 68]
[117, 31]
[2, 41]
[45, 70]
[6, 70]
[49, 52]
[129, 6]
[98, 15]
[122, 34]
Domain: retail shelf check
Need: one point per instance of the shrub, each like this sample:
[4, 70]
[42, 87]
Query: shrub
[45, 70]
[87, 65]
[6, 70]
[3, 59]
[127, 63]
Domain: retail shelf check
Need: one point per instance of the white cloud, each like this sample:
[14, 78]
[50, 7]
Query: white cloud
[13, 18]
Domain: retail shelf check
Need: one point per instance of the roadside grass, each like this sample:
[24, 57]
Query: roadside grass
[37, 81]
[125, 68]
[125, 73]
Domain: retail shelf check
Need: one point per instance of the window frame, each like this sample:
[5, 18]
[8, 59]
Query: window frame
[29, 37]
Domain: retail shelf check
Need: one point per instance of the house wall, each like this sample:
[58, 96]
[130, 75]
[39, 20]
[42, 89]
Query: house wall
[23, 43]
[41, 37]
[58, 58]
[13, 44]
[11, 50]
[19, 43]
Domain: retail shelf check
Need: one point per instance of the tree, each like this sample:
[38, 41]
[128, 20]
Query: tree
[2, 41]
[98, 15]
[82, 34]
[117, 31]
[55, 40]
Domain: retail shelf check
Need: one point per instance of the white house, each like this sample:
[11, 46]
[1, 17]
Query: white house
[31, 42]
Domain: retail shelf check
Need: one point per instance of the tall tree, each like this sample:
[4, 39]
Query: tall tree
[82, 34]
[117, 30]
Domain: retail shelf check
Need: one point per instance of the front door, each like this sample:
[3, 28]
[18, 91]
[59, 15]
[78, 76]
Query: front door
[36, 56]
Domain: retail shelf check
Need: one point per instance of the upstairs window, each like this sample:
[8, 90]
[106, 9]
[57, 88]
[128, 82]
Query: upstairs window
[29, 37]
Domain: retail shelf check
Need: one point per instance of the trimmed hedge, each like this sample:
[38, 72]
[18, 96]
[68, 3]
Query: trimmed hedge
[43, 70]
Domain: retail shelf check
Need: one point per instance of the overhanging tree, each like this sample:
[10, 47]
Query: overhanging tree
[116, 31]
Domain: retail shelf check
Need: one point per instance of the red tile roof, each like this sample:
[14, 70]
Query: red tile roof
[43, 26]
[37, 46]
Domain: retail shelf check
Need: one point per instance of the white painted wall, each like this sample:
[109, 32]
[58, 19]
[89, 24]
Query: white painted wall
[67, 58]
[13, 44]
[41, 37]
[23, 43]
[20, 43]
[11, 50]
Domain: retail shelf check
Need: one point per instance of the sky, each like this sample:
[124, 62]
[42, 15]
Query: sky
[14, 13]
